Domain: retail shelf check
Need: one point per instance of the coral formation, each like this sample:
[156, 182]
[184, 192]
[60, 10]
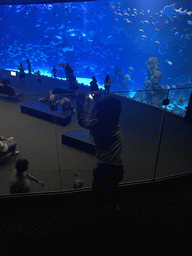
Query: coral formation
[156, 93]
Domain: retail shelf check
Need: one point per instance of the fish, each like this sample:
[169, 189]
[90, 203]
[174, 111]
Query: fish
[131, 69]
[156, 29]
[141, 12]
[116, 20]
[171, 12]
[169, 62]
[157, 42]
[166, 22]
[141, 30]
[152, 23]
[154, 36]
[189, 22]
[120, 50]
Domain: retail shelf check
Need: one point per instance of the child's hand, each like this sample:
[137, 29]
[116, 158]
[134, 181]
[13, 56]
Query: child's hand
[41, 183]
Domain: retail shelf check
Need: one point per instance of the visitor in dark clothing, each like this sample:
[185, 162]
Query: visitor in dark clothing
[107, 83]
[103, 124]
[94, 85]
[68, 72]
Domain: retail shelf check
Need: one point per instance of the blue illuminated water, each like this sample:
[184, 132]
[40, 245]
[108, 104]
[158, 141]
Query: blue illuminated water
[95, 37]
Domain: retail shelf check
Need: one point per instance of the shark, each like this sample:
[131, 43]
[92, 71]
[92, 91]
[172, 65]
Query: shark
[172, 12]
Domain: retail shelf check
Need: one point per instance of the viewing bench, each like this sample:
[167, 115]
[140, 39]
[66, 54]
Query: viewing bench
[8, 91]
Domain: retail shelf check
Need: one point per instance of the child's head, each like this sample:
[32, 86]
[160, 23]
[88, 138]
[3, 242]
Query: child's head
[108, 109]
[22, 165]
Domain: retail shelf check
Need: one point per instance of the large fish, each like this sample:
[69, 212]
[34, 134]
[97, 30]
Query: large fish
[172, 12]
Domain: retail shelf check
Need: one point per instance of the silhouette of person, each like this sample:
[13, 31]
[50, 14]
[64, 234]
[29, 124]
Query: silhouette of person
[39, 78]
[22, 73]
[68, 72]
[103, 124]
[54, 71]
[107, 83]
[29, 66]
[94, 85]
[70, 77]
[20, 179]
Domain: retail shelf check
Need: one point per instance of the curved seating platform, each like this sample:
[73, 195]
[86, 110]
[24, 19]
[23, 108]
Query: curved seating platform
[80, 139]
[43, 111]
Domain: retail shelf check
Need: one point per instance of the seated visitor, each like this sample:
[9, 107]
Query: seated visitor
[7, 146]
[52, 97]
[65, 103]
[94, 85]
[20, 179]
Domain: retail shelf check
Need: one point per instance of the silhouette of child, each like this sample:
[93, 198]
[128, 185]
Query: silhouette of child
[103, 124]
[39, 78]
[22, 73]
[54, 71]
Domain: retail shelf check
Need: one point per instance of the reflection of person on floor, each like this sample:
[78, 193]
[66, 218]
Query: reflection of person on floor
[39, 78]
[8, 146]
[54, 71]
[20, 179]
[22, 73]
[29, 66]
[104, 126]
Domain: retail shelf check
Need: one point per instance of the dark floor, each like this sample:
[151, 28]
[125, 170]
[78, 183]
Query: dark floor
[40, 142]
[37, 142]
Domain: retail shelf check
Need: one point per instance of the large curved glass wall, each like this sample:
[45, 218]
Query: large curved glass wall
[125, 40]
